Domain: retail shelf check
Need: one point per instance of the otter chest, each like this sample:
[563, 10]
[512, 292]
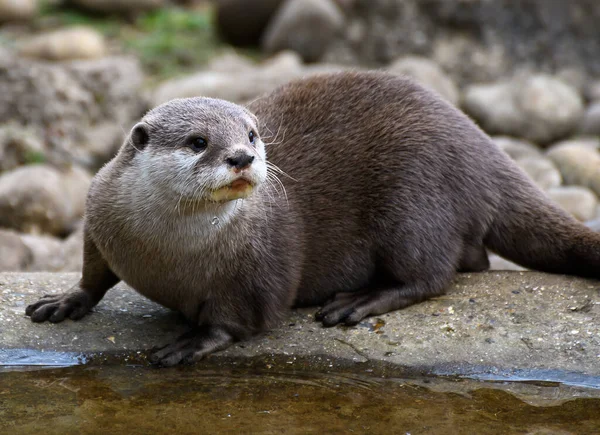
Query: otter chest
[178, 267]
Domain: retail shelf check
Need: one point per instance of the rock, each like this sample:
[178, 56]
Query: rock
[594, 224]
[78, 96]
[427, 73]
[234, 25]
[119, 6]
[47, 253]
[41, 199]
[541, 170]
[470, 61]
[581, 202]
[99, 144]
[499, 263]
[516, 148]
[14, 254]
[592, 91]
[236, 86]
[538, 108]
[503, 325]
[231, 62]
[578, 163]
[476, 40]
[294, 27]
[65, 44]
[19, 145]
[590, 125]
[17, 10]
[73, 251]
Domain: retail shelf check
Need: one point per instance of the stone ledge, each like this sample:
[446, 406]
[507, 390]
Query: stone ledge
[491, 325]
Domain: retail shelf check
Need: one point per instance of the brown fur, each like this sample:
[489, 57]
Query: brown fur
[389, 192]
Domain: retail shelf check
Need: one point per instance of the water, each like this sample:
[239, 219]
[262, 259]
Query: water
[259, 397]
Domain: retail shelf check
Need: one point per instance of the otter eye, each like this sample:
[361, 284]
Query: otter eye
[198, 144]
[251, 136]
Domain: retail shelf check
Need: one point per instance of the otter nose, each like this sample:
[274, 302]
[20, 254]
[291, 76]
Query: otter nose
[240, 161]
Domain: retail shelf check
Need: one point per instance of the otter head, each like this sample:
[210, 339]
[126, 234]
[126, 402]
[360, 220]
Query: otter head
[198, 150]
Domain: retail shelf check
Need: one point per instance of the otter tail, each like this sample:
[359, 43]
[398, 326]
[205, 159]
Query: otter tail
[529, 229]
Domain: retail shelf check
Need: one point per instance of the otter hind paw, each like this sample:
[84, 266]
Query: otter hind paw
[192, 346]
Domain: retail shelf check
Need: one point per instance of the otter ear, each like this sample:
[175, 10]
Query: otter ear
[139, 136]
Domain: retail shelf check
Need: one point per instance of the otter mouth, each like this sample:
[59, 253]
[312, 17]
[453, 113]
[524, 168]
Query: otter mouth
[237, 189]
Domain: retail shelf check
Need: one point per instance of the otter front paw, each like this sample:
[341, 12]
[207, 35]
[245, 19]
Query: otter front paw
[56, 308]
[192, 346]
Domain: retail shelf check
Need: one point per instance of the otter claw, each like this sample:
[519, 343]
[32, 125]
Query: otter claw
[55, 308]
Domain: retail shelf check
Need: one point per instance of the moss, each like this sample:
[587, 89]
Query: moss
[33, 157]
[168, 41]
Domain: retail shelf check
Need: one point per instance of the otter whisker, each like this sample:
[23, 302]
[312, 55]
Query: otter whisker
[273, 177]
[279, 170]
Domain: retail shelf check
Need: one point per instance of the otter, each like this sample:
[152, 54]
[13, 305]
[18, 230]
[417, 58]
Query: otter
[361, 192]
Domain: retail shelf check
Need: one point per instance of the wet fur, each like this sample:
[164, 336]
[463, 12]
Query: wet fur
[390, 191]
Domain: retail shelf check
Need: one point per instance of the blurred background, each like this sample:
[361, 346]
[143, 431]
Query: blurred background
[75, 76]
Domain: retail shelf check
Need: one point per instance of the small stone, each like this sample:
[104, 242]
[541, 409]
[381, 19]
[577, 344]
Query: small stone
[579, 201]
[590, 125]
[516, 148]
[19, 145]
[294, 26]
[47, 251]
[541, 170]
[499, 263]
[539, 108]
[18, 10]
[65, 44]
[236, 86]
[14, 254]
[427, 73]
[42, 199]
[578, 162]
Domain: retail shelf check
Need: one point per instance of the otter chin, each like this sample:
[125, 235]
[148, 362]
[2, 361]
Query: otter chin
[238, 189]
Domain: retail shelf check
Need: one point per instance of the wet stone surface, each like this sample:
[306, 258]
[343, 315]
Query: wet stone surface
[494, 325]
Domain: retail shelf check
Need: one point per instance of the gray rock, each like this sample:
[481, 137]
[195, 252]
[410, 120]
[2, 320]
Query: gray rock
[592, 91]
[516, 148]
[478, 40]
[578, 163]
[493, 324]
[579, 201]
[47, 253]
[119, 6]
[428, 73]
[499, 263]
[590, 125]
[234, 25]
[238, 86]
[304, 26]
[72, 249]
[19, 145]
[538, 108]
[541, 170]
[77, 96]
[594, 224]
[99, 144]
[14, 254]
[41, 199]
[65, 44]
[231, 62]
[17, 10]
[469, 60]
